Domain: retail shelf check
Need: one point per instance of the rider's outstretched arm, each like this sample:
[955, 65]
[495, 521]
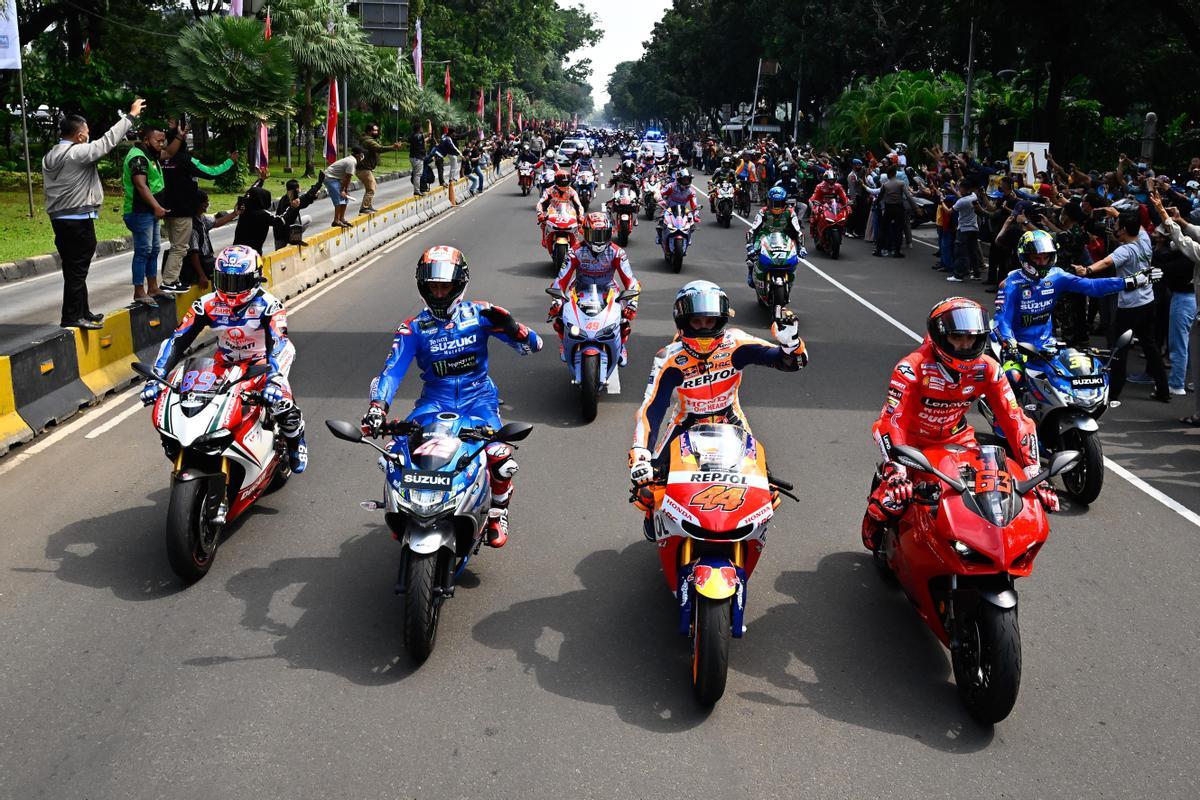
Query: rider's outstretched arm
[505, 327]
[751, 350]
[404, 348]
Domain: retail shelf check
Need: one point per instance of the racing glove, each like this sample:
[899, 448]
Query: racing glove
[150, 392]
[372, 421]
[630, 310]
[895, 478]
[1142, 278]
[272, 393]
[554, 310]
[803, 252]
[787, 332]
[1010, 359]
[641, 471]
[1049, 497]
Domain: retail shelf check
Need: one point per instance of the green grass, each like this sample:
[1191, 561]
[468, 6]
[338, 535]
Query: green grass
[22, 237]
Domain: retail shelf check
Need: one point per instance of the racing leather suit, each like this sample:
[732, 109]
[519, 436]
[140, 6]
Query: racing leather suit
[926, 406]
[824, 193]
[583, 269]
[453, 358]
[1025, 307]
[675, 195]
[252, 332]
[767, 221]
[553, 196]
[583, 165]
[714, 181]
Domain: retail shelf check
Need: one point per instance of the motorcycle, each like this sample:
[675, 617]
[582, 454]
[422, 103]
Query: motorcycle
[710, 526]
[775, 271]
[437, 496]
[829, 226]
[225, 453]
[592, 341]
[545, 179]
[585, 185]
[561, 229]
[956, 552]
[678, 225]
[724, 203]
[524, 177]
[1065, 393]
[651, 193]
[623, 208]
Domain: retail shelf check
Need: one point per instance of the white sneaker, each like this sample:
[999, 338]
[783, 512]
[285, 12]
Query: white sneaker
[954, 279]
[1178, 391]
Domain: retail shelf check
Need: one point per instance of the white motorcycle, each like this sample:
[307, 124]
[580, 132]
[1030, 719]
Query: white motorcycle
[592, 324]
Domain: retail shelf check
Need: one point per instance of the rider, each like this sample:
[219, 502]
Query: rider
[678, 193]
[601, 263]
[251, 327]
[583, 162]
[775, 217]
[561, 191]
[722, 173]
[674, 162]
[827, 190]
[930, 392]
[699, 373]
[449, 339]
[648, 163]
[1025, 305]
[624, 175]
[527, 156]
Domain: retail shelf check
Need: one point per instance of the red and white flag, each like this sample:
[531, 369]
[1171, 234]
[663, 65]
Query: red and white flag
[261, 157]
[480, 111]
[509, 93]
[331, 124]
[447, 83]
[267, 29]
[418, 63]
[521, 121]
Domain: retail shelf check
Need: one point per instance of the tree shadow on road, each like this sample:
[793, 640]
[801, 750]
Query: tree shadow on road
[864, 657]
[618, 641]
[342, 618]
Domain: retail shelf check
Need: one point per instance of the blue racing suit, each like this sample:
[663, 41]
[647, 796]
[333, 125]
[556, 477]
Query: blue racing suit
[453, 358]
[1024, 308]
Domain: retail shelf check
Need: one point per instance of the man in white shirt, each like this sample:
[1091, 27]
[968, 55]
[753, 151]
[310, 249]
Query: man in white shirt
[338, 176]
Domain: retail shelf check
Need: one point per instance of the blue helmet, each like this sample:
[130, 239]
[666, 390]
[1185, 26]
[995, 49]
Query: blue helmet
[237, 271]
[777, 199]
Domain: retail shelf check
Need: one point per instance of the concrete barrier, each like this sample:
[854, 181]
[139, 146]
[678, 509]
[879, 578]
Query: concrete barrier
[47, 380]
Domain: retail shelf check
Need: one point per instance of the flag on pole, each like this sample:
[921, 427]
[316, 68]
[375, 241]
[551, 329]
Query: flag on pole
[418, 64]
[509, 93]
[447, 83]
[480, 111]
[521, 121]
[331, 123]
[10, 37]
[497, 109]
[87, 51]
[261, 158]
[267, 30]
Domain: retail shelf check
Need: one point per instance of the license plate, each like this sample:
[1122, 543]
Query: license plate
[424, 480]
[1088, 382]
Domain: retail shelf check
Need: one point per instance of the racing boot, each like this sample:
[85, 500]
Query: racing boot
[297, 454]
[496, 528]
[502, 467]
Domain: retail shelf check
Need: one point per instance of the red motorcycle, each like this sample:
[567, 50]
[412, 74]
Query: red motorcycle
[560, 233]
[956, 551]
[623, 209]
[829, 226]
[524, 177]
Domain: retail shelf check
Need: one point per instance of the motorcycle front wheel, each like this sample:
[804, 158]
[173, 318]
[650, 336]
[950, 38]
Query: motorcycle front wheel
[589, 387]
[677, 259]
[1084, 481]
[192, 540]
[650, 210]
[987, 662]
[711, 631]
[421, 608]
[835, 242]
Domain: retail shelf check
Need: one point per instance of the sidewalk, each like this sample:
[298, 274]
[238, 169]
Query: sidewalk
[31, 304]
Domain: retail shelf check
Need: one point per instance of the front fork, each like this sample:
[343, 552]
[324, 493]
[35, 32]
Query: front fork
[687, 586]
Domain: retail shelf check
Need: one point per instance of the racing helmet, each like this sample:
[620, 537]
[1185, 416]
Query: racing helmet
[237, 272]
[683, 177]
[829, 177]
[442, 264]
[627, 166]
[598, 232]
[695, 300]
[585, 152]
[674, 153]
[726, 162]
[777, 200]
[1037, 251]
[550, 155]
[958, 316]
[562, 178]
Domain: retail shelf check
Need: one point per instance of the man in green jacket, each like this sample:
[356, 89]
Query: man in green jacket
[142, 179]
[371, 145]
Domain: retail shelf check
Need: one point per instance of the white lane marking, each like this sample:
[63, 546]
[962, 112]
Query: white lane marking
[114, 405]
[26, 281]
[100, 430]
[1138, 483]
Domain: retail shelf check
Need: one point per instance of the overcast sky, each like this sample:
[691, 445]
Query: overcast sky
[626, 24]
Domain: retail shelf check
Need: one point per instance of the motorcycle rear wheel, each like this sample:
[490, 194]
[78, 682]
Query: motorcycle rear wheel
[192, 541]
[421, 608]
[560, 256]
[987, 662]
[524, 191]
[589, 387]
[622, 238]
[649, 211]
[711, 632]
[1084, 481]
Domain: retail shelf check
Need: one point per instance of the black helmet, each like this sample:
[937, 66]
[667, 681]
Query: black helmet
[442, 264]
[683, 177]
[701, 299]
[726, 162]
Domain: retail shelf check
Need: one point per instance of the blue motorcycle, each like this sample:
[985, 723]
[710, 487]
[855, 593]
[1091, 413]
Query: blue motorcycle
[438, 491]
[1065, 392]
[678, 225]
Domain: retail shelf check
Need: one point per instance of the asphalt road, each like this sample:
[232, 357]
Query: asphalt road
[558, 671]
[31, 304]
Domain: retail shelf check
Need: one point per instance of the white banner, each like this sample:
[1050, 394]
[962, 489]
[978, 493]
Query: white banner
[10, 38]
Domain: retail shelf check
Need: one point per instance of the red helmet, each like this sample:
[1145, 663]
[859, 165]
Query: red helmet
[562, 178]
[958, 316]
[598, 232]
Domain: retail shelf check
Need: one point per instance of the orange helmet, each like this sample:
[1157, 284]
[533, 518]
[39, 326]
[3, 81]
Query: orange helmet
[562, 178]
[958, 316]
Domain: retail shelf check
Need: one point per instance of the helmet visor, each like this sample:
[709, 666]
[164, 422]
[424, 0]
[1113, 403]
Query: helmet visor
[436, 271]
[964, 321]
[234, 282]
[703, 304]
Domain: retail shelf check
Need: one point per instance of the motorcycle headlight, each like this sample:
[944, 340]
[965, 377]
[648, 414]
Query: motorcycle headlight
[607, 331]
[214, 442]
[423, 502]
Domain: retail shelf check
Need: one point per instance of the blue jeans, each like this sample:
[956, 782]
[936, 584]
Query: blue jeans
[1183, 314]
[479, 174]
[334, 188]
[946, 246]
[144, 227]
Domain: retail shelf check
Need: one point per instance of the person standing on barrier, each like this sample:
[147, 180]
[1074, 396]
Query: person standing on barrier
[417, 150]
[338, 177]
[142, 178]
[73, 192]
[371, 147]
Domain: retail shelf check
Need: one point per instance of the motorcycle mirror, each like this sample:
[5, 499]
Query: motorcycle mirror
[912, 457]
[1122, 342]
[148, 374]
[556, 293]
[255, 371]
[344, 430]
[1063, 461]
[628, 294]
[512, 432]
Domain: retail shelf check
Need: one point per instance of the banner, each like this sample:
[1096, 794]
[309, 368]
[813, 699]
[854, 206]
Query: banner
[235, 8]
[261, 158]
[418, 63]
[10, 37]
[331, 124]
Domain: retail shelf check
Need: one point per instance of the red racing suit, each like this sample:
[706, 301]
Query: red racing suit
[823, 194]
[926, 405]
[553, 196]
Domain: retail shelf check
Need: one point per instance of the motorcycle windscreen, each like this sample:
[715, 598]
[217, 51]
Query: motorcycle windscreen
[590, 301]
[199, 380]
[776, 249]
[990, 487]
[676, 216]
[562, 212]
[717, 447]
[433, 446]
